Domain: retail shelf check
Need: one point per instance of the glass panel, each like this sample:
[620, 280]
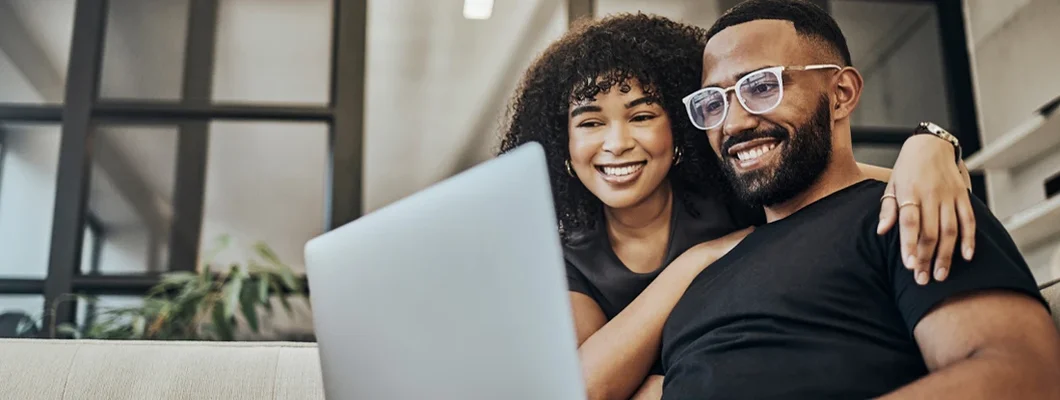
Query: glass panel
[18, 309]
[897, 48]
[425, 54]
[87, 312]
[130, 198]
[89, 261]
[34, 49]
[143, 54]
[881, 156]
[265, 181]
[28, 164]
[275, 51]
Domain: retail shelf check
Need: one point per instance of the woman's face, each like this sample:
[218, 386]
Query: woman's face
[621, 145]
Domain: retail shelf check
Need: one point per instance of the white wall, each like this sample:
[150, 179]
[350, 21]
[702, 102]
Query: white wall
[1015, 57]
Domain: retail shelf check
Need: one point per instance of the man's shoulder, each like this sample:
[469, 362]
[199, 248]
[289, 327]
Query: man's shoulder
[856, 206]
[869, 190]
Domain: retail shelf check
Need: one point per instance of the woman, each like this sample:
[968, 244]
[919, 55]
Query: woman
[641, 205]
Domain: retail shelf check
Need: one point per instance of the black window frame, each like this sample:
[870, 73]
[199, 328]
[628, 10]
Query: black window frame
[83, 110]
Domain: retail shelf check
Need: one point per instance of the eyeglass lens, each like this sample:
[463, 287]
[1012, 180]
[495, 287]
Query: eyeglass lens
[758, 92]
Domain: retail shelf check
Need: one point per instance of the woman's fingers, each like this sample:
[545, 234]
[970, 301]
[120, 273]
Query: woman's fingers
[948, 233]
[966, 217]
[888, 210]
[909, 234]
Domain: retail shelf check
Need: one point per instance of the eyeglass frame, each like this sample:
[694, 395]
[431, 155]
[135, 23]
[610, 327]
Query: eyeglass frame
[778, 71]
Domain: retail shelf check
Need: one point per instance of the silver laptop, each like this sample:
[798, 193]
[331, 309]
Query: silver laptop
[456, 292]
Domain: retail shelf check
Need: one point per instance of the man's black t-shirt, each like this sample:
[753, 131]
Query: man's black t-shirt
[818, 306]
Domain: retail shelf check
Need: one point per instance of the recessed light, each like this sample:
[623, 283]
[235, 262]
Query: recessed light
[478, 9]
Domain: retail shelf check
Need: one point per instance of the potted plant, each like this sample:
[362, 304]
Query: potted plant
[202, 305]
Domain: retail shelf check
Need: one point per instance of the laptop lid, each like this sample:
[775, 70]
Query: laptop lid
[455, 292]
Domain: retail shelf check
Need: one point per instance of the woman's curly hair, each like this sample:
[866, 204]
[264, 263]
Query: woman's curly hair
[664, 56]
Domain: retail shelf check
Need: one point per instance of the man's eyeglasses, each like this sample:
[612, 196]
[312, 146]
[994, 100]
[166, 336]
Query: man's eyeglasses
[759, 92]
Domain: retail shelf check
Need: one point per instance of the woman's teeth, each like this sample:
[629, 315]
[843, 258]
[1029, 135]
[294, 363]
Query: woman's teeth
[623, 170]
[755, 152]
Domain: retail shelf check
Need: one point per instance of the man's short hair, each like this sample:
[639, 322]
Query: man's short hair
[809, 19]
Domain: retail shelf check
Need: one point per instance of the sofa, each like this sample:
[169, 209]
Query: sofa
[32, 369]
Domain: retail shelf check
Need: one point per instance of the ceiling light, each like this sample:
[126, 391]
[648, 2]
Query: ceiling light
[478, 9]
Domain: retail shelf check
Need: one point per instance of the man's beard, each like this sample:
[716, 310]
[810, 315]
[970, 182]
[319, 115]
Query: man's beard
[802, 161]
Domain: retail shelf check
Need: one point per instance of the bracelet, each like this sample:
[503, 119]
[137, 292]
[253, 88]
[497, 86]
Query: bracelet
[929, 128]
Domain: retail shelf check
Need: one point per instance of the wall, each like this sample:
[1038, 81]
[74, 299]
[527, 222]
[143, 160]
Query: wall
[1015, 56]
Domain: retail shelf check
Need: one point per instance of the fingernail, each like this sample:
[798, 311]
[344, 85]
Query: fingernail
[940, 274]
[922, 278]
[910, 262]
[968, 252]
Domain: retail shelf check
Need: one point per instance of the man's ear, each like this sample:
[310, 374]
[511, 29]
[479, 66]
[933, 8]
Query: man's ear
[847, 92]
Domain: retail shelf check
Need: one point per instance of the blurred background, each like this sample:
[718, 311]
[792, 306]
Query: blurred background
[135, 133]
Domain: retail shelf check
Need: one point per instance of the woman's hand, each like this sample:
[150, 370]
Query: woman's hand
[928, 196]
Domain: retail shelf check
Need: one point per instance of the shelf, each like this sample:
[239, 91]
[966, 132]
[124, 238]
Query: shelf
[1023, 143]
[1032, 226]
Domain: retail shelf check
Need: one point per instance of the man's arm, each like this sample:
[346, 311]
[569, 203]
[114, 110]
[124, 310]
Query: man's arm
[987, 345]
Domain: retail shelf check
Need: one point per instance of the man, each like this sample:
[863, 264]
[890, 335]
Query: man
[815, 304]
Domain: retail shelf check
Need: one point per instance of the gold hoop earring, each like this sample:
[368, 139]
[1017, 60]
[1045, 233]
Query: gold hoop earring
[677, 155]
[570, 171]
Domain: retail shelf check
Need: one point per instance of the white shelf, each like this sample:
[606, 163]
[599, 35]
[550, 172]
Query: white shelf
[1023, 143]
[1032, 226]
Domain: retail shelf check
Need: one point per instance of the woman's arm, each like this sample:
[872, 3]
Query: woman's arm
[651, 389]
[928, 197]
[616, 358]
[874, 172]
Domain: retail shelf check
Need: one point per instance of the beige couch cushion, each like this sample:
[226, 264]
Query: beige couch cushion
[62, 369]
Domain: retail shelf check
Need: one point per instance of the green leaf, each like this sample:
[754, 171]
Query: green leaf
[232, 291]
[207, 274]
[248, 304]
[221, 324]
[282, 297]
[263, 290]
[220, 244]
[289, 280]
[26, 324]
[138, 324]
[179, 278]
[268, 255]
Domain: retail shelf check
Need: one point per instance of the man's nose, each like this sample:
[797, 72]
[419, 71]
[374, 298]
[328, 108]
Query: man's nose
[618, 139]
[738, 119]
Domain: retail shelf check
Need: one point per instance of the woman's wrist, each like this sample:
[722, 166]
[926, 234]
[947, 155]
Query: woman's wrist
[930, 129]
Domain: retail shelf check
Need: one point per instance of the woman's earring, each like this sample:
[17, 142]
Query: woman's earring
[570, 171]
[677, 155]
